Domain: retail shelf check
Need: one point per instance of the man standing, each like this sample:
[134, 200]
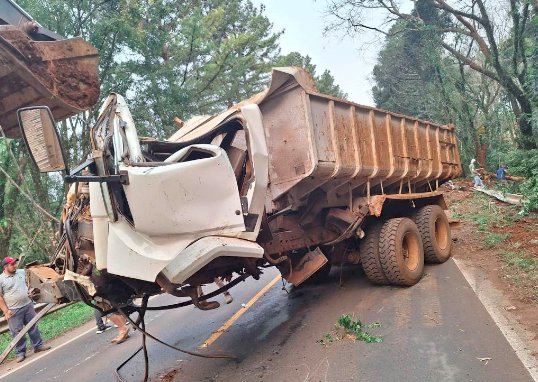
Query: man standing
[474, 173]
[501, 173]
[17, 307]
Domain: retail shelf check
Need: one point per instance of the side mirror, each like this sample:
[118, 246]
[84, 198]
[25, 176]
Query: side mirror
[39, 132]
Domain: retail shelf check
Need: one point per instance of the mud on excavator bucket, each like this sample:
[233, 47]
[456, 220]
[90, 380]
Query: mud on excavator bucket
[61, 74]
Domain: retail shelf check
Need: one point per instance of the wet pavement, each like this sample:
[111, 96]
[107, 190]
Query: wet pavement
[437, 330]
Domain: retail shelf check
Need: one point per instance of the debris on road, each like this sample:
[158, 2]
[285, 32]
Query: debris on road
[515, 199]
[484, 359]
[348, 327]
[431, 318]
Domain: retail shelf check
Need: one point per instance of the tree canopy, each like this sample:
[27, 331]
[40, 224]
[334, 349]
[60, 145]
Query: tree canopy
[324, 82]
[500, 48]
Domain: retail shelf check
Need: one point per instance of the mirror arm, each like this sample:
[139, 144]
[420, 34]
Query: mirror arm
[80, 167]
[122, 178]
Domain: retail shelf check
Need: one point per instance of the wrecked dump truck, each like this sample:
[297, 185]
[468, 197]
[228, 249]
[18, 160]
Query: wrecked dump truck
[39, 67]
[290, 178]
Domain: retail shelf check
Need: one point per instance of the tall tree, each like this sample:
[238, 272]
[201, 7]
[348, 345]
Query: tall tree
[191, 57]
[407, 75]
[414, 76]
[473, 37]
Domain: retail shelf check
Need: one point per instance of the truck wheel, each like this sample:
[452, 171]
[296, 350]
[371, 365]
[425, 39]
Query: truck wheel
[434, 229]
[400, 252]
[369, 253]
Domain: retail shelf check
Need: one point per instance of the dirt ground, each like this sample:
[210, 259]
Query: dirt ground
[493, 237]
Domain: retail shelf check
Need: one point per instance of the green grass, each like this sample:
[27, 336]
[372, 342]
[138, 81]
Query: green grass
[485, 213]
[57, 323]
[522, 270]
[355, 327]
[520, 261]
[493, 239]
[519, 267]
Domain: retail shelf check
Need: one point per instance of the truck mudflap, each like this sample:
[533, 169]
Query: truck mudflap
[309, 264]
[61, 74]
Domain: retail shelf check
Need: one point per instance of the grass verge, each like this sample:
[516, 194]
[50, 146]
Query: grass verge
[522, 270]
[493, 239]
[56, 323]
[509, 235]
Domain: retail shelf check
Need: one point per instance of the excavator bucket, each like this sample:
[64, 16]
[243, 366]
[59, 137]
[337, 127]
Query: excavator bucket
[62, 75]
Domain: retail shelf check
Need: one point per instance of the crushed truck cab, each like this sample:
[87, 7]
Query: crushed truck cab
[167, 205]
[290, 178]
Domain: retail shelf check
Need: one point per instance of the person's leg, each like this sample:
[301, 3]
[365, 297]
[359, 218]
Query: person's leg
[15, 325]
[227, 296]
[98, 319]
[205, 305]
[101, 326]
[35, 336]
[123, 330]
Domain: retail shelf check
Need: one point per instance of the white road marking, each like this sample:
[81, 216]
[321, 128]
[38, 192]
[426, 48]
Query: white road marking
[485, 293]
[33, 359]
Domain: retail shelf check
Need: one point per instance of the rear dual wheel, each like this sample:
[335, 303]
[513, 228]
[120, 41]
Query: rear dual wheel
[401, 252]
[369, 253]
[434, 229]
[395, 252]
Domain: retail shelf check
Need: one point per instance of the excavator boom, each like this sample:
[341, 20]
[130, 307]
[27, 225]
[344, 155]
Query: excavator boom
[38, 67]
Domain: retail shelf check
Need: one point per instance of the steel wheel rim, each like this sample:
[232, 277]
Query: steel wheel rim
[410, 251]
[441, 234]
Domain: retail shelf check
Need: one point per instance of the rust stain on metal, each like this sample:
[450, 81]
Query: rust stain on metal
[62, 75]
[377, 201]
[44, 282]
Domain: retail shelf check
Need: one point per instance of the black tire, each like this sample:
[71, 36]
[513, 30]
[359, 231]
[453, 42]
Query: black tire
[401, 252]
[369, 253]
[434, 229]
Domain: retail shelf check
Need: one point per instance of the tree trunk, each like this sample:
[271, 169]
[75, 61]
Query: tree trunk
[526, 140]
[481, 152]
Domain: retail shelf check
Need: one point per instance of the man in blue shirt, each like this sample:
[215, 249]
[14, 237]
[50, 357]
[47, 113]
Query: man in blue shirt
[501, 173]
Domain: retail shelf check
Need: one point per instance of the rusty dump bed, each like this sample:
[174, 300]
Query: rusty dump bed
[61, 74]
[321, 142]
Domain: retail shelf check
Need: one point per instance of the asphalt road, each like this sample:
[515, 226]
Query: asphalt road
[435, 331]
